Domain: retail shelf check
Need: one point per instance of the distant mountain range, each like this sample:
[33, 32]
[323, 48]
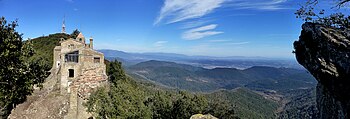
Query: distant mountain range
[193, 78]
[239, 62]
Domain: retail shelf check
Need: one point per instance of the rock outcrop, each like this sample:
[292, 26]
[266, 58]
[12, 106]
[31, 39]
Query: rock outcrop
[325, 53]
[201, 116]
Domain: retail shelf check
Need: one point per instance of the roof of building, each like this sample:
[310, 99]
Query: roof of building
[80, 35]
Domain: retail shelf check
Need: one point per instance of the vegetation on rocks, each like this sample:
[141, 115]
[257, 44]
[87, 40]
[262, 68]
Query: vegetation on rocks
[338, 19]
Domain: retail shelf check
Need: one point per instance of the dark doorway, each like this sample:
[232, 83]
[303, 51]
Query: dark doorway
[71, 72]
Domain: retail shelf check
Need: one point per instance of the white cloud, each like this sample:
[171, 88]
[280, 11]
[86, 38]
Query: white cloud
[160, 43]
[200, 32]
[218, 41]
[238, 43]
[258, 4]
[195, 23]
[179, 10]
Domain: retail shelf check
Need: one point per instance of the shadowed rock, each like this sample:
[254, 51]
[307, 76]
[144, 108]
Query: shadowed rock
[325, 52]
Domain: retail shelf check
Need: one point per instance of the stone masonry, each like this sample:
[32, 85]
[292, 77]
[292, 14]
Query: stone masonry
[79, 69]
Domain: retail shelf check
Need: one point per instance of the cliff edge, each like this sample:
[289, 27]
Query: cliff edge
[324, 52]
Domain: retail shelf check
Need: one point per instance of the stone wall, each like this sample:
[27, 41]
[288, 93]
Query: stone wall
[70, 45]
[80, 90]
[89, 73]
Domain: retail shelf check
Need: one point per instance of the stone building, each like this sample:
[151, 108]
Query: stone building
[79, 70]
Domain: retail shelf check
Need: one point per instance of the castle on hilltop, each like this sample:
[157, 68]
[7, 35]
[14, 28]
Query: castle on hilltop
[79, 69]
[77, 63]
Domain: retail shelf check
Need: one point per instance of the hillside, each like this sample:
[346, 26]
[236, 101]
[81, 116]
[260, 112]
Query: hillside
[199, 79]
[44, 46]
[248, 104]
[301, 105]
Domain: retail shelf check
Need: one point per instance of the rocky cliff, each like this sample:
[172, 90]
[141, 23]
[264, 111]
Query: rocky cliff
[325, 52]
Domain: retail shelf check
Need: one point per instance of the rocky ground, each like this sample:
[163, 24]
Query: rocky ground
[45, 103]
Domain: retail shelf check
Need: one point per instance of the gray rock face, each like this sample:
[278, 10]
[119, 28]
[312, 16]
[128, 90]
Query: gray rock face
[325, 52]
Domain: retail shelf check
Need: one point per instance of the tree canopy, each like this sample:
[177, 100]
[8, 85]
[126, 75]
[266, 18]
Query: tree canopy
[17, 74]
[310, 12]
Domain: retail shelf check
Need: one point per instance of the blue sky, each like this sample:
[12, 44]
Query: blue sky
[264, 28]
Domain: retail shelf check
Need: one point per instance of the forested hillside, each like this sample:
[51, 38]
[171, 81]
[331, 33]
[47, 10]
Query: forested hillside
[302, 105]
[248, 104]
[205, 80]
[43, 47]
[125, 98]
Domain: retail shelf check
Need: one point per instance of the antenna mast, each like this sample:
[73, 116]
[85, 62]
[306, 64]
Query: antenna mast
[64, 24]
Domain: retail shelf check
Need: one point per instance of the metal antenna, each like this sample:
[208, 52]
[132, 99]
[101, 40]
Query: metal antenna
[64, 24]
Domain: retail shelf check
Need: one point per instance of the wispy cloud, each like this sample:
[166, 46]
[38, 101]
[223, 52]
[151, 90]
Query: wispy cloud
[219, 41]
[258, 4]
[160, 43]
[179, 10]
[200, 32]
[238, 43]
[228, 42]
[195, 23]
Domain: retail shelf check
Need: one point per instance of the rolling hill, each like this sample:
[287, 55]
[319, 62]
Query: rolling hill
[239, 62]
[43, 47]
[193, 78]
[248, 104]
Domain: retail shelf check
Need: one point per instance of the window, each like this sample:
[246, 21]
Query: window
[96, 59]
[70, 72]
[58, 64]
[72, 57]
[71, 46]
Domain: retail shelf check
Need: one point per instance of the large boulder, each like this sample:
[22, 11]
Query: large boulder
[325, 53]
